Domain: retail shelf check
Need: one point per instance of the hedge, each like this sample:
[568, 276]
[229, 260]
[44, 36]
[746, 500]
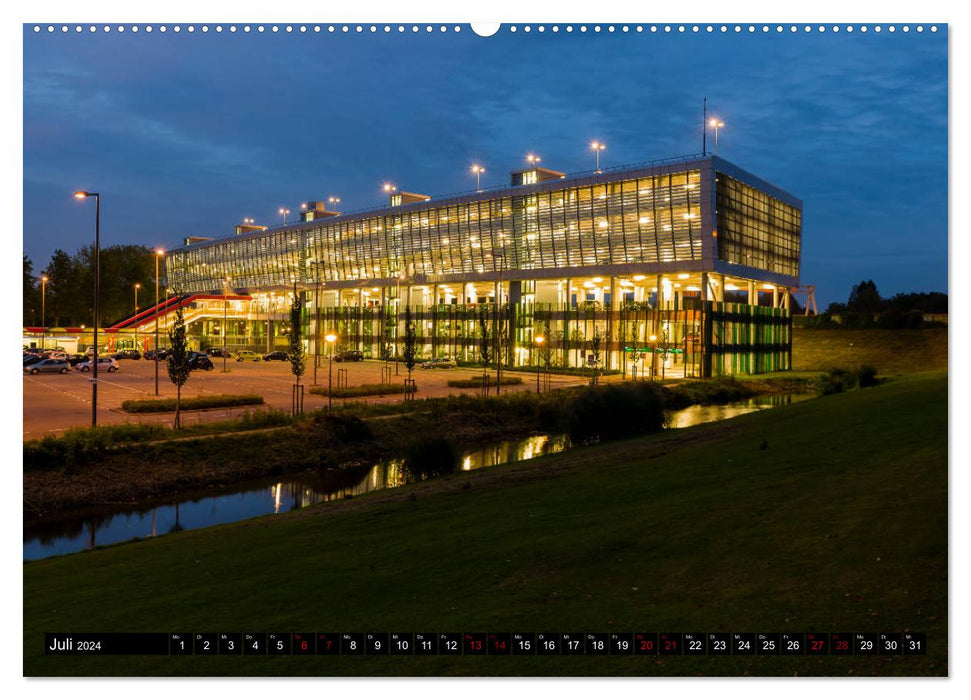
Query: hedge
[477, 382]
[191, 403]
[347, 392]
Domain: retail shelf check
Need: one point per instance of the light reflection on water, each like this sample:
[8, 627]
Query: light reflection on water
[696, 415]
[54, 537]
[63, 536]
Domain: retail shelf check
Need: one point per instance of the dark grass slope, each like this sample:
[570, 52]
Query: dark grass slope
[826, 515]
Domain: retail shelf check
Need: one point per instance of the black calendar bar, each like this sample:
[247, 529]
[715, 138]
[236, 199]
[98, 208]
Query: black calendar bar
[412, 644]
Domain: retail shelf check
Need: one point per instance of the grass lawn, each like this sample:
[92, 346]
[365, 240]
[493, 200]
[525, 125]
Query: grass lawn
[891, 351]
[838, 524]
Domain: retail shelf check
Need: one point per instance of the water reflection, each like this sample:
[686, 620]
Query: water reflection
[696, 415]
[53, 537]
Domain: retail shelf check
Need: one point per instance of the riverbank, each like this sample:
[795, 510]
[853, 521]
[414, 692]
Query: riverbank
[118, 473]
[826, 515]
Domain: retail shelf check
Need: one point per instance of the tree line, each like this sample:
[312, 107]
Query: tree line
[866, 308]
[69, 297]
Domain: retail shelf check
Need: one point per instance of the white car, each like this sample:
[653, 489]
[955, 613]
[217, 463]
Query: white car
[105, 364]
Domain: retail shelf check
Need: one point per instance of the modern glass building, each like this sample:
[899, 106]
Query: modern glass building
[680, 266]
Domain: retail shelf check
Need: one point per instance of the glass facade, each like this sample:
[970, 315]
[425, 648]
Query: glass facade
[654, 219]
[635, 267]
[755, 229]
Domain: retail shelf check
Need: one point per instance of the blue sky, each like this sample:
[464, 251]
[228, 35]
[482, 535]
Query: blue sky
[186, 134]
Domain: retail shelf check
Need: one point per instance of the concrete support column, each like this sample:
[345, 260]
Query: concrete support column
[704, 286]
[660, 294]
[753, 297]
[775, 297]
[721, 287]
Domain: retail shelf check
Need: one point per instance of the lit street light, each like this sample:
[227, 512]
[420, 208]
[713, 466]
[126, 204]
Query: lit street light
[284, 212]
[81, 194]
[225, 312]
[539, 343]
[330, 338]
[158, 254]
[597, 146]
[714, 123]
[43, 310]
[334, 201]
[137, 287]
[532, 160]
[478, 170]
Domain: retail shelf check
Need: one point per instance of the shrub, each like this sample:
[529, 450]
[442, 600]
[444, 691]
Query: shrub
[478, 381]
[615, 411]
[836, 381]
[196, 402]
[345, 392]
[429, 457]
[78, 446]
[866, 376]
[335, 428]
[714, 391]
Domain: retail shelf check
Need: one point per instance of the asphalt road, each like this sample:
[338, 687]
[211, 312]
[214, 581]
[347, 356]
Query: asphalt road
[55, 402]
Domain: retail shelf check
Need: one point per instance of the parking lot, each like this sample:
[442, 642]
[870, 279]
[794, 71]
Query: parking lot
[55, 402]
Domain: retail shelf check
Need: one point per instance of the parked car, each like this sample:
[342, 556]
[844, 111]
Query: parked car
[30, 359]
[73, 360]
[247, 356]
[199, 360]
[219, 352]
[131, 354]
[349, 356]
[162, 354]
[276, 355]
[438, 363]
[48, 365]
[105, 364]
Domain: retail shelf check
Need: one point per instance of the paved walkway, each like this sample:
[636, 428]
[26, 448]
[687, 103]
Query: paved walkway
[55, 402]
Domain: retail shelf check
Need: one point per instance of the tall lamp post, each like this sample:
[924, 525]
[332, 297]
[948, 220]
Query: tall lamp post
[43, 311]
[158, 254]
[330, 338]
[81, 194]
[222, 351]
[334, 201]
[539, 344]
[478, 170]
[715, 123]
[137, 286]
[597, 146]
[284, 212]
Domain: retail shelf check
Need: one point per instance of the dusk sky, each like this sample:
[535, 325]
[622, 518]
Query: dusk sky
[186, 134]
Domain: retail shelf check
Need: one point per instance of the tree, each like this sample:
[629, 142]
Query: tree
[177, 363]
[485, 344]
[410, 353]
[864, 297]
[31, 294]
[297, 356]
[595, 345]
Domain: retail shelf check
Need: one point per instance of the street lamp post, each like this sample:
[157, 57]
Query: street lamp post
[334, 201]
[478, 170]
[597, 146]
[539, 344]
[225, 314]
[284, 212]
[43, 311]
[137, 287]
[158, 254]
[81, 194]
[715, 123]
[330, 338]
[532, 159]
